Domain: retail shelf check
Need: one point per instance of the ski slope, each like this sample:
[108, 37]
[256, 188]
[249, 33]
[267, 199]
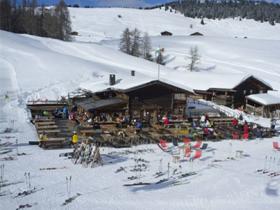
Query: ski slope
[40, 68]
[95, 24]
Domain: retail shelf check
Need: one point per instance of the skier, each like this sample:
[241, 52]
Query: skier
[272, 124]
[75, 138]
[65, 112]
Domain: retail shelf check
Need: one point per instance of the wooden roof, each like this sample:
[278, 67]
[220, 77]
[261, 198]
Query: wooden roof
[172, 87]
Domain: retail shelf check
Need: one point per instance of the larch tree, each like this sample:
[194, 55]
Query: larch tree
[135, 42]
[125, 42]
[146, 47]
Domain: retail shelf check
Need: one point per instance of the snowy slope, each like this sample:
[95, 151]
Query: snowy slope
[226, 57]
[33, 67]
[224, 62]
[97, 24]
[47, 68]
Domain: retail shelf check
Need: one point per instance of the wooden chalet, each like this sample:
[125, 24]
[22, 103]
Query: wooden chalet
[166, 33]
[235, 96]
[156, 97]
[196, 34]
[153, 97]
[264, 104]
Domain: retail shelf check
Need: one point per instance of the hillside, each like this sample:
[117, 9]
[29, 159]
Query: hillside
[97, 24]
[228, 176]
[223, 48]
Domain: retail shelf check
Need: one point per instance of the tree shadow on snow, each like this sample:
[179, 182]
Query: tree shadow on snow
[112, 159]
[272, 188]
[154, 186]
[206, 158]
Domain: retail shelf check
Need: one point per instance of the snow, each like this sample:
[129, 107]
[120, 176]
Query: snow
[96, 24]
[224, 61]
[265, 98]
[42, 68]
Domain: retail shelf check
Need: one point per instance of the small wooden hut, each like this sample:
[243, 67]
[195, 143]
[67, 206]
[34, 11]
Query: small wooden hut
[166, 33]
[264, 104]
[235, 95]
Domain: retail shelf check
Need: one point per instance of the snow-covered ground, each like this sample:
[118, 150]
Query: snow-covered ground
[220, 182]
[33, 68]
[97, 24]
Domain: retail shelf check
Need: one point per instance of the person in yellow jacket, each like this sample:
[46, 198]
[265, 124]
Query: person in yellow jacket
[75, 138]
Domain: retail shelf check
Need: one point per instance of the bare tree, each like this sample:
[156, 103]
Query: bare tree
[195, 58]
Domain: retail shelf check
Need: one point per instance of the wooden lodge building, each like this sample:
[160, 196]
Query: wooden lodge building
[139, 96]
[235, 95]
[150, 96]
[264, 104]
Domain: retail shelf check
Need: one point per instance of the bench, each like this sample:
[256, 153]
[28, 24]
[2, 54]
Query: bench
[48, 127]
[44, 123]
[44, 119]
[49, 131]
[90, 132]
[52, 142]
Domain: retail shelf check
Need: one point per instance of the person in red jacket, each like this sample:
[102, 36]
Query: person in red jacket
[246, 128]
[234, 122]
[165, 121]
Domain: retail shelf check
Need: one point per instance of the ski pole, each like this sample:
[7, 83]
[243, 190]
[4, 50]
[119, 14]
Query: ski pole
[3, 170]
[25, 176]
[160, 166]
[17, 145]
[67, 191]
[168, 168]
[265, 163]
[70, 185]
[29, 180]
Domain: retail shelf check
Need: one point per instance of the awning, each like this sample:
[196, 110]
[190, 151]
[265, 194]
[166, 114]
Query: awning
[91, 104]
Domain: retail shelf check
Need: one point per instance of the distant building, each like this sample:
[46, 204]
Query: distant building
[196, 34]
[166, 33]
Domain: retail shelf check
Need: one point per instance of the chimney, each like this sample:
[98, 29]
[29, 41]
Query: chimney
[112, 79]
[132, 73]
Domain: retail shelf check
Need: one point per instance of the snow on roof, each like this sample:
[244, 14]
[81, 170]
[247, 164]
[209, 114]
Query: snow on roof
[261, 80]
[269, 98]
[205, 81]
[129, 82]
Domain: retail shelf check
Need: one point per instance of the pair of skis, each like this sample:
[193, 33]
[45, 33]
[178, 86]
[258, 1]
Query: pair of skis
[268, 172]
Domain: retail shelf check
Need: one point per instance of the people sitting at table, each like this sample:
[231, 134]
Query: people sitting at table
[165, 121]
[234, 122]
[138, 126]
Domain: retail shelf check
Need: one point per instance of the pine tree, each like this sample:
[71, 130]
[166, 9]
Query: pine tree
[64, 22]
[5, 15]
[159, 58]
